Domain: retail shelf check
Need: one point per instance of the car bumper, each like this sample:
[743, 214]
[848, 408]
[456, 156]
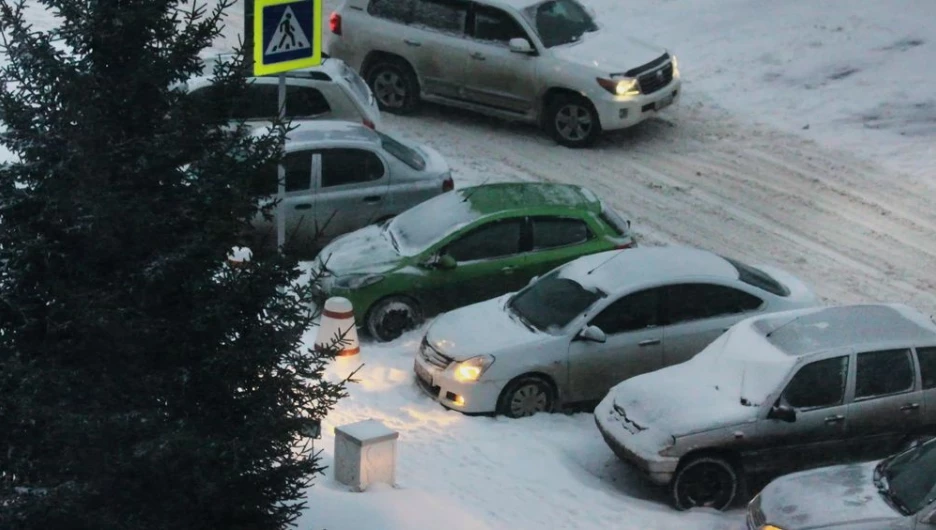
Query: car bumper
[618, 112]
[658, 469]
[439, 384]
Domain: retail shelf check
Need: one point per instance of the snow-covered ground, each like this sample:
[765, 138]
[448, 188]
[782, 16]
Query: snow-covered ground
[805, 139]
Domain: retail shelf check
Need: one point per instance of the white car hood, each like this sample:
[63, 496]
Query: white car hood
[367, 249]
[831, 497]
[479, 329]
[608, 52]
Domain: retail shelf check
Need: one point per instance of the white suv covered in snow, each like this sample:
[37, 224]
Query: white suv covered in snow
[545, 62]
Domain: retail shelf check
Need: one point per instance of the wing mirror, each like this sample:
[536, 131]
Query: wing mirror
[533, 280]
[520, 45]
[592, 334]
[446, 262]
[783, 413]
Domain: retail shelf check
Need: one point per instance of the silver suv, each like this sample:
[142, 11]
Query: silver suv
[545, 62]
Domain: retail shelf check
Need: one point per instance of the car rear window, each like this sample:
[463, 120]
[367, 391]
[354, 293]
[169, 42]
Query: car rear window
[358, 86]
[758, 278]
[405, 154]
[611, 217]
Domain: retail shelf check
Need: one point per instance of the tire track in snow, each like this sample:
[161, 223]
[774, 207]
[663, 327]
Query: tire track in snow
[700, 177]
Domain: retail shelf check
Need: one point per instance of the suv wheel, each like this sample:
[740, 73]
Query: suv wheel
[394, 85]
[572, 121]
[705, 482]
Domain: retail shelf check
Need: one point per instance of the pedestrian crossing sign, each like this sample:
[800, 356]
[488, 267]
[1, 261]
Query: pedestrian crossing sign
[287, 35]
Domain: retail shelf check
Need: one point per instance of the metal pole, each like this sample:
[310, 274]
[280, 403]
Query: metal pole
[281, 170]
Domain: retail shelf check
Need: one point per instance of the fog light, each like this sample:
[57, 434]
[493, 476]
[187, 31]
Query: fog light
[455, 398]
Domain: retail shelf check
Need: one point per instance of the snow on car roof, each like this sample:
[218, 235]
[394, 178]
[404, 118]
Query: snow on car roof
[618, 270]
[319, 131]
[845, 326]
[519, 5]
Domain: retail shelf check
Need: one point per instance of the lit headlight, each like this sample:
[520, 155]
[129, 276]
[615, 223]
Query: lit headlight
[472, 369]
[357, 281]
[620, 86]
[675, 66]
[769, 527]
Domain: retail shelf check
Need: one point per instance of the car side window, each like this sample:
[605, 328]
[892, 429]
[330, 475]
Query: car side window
[495, 26]
[927, 357]
[696, 301]
[493, 240]
[880, 373]
[303, 101]
[258, 102]
[552, 232]
[395, 10]
[441, 15]
[298, 166]
[632, 312]
[818, 384]
[343, 166]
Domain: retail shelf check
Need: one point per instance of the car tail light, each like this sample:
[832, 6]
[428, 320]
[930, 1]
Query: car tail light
[448, 184]
[369, 124]
[622, 246]
[334, 23]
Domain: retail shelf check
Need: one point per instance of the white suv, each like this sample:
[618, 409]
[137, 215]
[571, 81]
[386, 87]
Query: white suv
[331, 91]
[545, 62]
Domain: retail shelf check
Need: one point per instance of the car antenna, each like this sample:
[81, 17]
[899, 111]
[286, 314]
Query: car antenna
[473, 190]
[785, 324]
[604, 262]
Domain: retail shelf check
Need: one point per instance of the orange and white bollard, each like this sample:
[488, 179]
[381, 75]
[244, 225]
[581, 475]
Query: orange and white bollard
[338, 321]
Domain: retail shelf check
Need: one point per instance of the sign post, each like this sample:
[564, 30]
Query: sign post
[287, 35]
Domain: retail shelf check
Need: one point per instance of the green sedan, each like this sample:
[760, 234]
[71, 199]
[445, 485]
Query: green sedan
[462, 247]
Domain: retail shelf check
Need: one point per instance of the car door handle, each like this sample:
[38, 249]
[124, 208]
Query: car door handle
[304, 206]
[835, 419]
[508, 270]
[648, 342]
[412, 42]
[477, 56]
[372, 198]
[910, 406]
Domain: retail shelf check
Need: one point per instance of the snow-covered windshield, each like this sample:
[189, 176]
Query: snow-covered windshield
[551, 302]
[911, 476]
[559, 21]
[422, 226]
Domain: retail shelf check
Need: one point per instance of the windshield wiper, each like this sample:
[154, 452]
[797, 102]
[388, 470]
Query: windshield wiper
[516, 314]
[883, 487]
[393, 241]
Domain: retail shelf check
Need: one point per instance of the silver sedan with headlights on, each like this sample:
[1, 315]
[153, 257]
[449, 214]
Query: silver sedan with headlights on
[574, 333]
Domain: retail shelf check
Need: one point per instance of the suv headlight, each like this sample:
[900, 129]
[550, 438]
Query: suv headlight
[357, 281]
[472, 369]
[620, 86]
[675, 69]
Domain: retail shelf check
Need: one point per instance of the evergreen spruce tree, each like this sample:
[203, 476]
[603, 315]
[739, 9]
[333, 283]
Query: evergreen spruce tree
[144, 384]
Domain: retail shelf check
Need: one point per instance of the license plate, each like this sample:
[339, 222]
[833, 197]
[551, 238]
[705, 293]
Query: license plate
[665, 102]
[422, 373]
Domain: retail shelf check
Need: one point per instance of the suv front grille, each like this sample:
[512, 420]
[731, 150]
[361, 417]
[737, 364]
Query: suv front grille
[655, 80]
[433, 357]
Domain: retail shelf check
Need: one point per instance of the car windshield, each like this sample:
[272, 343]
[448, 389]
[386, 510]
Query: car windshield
[551, 302]
[416, 230]
[402, 152]
[911, 477]
[559, 21]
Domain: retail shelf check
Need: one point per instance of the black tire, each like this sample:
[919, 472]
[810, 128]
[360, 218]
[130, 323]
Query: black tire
[394, 85]
[526, 396]
[392, 317]
[705, 481]
[572, 121]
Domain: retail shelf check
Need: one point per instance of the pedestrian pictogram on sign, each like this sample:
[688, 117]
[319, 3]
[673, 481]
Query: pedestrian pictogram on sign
[287, 35]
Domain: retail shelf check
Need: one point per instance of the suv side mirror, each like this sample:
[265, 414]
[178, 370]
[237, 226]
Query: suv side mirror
[592, 334]
[446, 262]
[533, 279]
[520, 45]
[783, 413]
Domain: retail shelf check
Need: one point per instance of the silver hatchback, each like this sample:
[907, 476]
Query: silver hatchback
[341, 176]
